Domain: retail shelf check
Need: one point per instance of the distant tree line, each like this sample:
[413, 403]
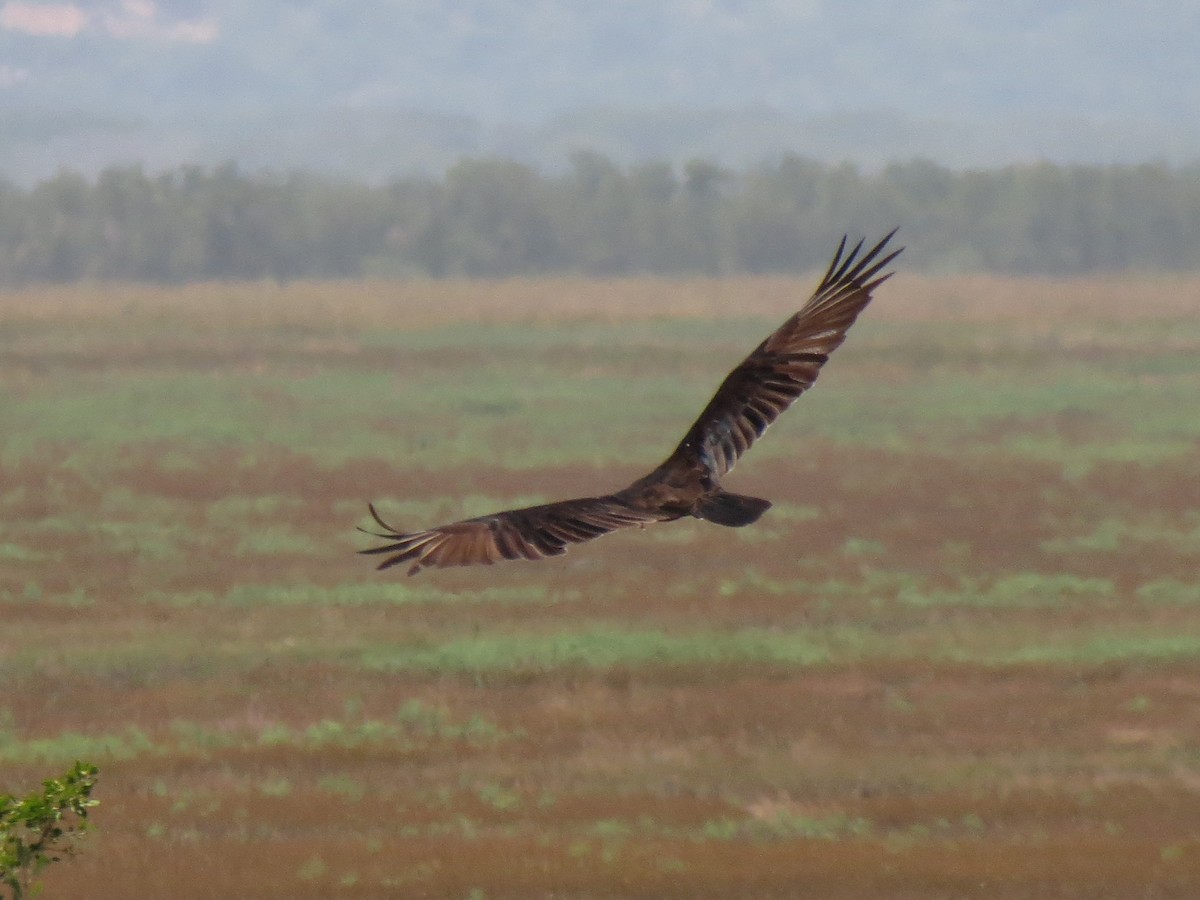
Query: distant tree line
[489, 217]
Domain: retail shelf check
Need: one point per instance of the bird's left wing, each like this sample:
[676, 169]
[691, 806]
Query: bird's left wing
[530, 533]
[786, 364]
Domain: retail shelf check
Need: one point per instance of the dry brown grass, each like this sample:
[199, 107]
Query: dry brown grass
[924, 758]
[333, 306]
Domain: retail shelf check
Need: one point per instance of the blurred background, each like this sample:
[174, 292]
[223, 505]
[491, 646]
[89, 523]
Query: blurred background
[262, 263]
[391, 88]
[169, 141]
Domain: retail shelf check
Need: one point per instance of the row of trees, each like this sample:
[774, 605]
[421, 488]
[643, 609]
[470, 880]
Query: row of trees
[494, 218]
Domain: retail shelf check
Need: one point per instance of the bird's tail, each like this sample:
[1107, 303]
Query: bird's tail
[732, 510]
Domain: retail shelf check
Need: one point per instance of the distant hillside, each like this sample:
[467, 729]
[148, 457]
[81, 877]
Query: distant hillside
[377, 145]
[373, 90]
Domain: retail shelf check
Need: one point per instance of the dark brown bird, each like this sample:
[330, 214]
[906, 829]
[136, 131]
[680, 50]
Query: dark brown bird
[688, 483]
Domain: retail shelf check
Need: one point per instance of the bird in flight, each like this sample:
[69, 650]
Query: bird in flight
[688, 483]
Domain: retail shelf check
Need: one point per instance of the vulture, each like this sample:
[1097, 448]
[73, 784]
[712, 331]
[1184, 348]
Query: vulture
[688, 483]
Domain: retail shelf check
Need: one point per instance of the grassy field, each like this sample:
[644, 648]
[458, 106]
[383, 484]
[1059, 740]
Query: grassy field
[959, 658]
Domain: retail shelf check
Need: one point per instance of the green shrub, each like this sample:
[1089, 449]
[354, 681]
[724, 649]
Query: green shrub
[43, 827]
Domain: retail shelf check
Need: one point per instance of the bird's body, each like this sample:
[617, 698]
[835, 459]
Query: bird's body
[688, 482]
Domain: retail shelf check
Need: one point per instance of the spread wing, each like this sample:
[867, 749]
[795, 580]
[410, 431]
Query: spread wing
[530, 533]
[786, 364]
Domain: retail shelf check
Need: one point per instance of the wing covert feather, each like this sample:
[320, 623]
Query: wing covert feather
[786, 364]
[533, 532]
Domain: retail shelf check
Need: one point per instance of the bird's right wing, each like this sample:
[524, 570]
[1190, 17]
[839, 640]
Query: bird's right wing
[785, 365]
[530, 533]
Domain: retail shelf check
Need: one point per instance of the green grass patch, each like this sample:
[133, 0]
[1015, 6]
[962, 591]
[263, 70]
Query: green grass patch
[236, 510]
[513, 395]
[1024, 589]
[277, 540]
[1095, 649]
[1170, 591]
[19, 553]
[788, 825]
[1114, 535]
[414, 725]
[363, 593]
[603, 648]
[67, 746]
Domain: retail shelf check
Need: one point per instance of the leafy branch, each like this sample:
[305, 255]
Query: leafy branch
[43, 827]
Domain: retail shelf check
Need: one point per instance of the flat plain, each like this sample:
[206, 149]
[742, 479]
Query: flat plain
[959, 658]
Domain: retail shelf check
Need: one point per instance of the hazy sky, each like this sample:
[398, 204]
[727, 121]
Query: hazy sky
[531, 58]
[1038, 73]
